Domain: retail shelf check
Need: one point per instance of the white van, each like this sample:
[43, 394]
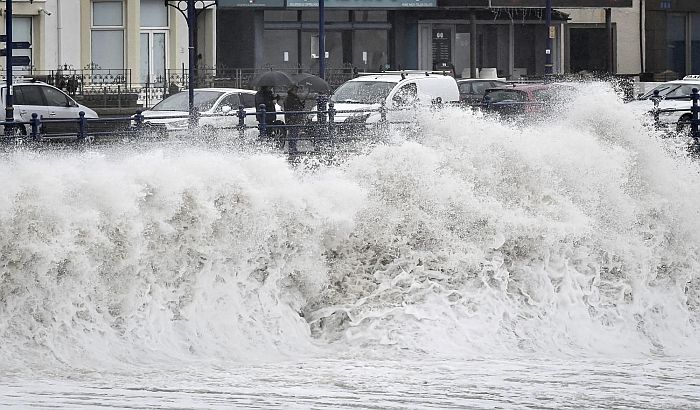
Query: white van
[358, 100]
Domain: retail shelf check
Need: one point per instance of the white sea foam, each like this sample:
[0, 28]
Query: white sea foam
[573, 236]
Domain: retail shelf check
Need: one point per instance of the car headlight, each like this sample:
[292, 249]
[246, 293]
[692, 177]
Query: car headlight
[179, 124]
[357, 118]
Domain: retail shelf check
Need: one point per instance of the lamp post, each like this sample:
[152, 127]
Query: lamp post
[321, 39]
[9, 109]
[548, 65]
[190, 12]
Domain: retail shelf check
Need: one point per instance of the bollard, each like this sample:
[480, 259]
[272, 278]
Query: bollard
[138, 120]
[241, 122]
[331, 120]
[383, 122]
[695, 109]
[655, 112]
[486, 102]
[81, 134]
[262, 123]
[321, 111]
[35, 126]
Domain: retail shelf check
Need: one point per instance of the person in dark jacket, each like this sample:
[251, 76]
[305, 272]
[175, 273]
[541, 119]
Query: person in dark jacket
[265, 96]
[293, 103]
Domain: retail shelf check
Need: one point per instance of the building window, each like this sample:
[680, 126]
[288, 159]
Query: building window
[675, 43]
[107, 37]
[22, 31]
[154, 37]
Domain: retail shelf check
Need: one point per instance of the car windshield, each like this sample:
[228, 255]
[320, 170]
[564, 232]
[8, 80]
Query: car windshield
[362, 92]
[671, 90]
[506, 95]
[203, 101]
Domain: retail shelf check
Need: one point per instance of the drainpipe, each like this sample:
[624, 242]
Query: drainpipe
[59, 32]
[642, 36]
[548, 65]
[472, 44]
[608, 27]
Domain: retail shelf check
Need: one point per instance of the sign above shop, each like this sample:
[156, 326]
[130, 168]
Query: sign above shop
[561, 3]
[363, 4]
[250, 3]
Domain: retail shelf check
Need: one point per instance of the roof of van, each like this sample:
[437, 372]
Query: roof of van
[398, 76]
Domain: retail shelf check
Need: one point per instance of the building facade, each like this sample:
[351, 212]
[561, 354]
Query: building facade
[141, 39]
[146, 40]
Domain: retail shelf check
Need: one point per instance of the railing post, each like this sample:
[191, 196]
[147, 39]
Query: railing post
[321, 113]
[35, 126]
[331, 121]
[382, 116]
[241, 122]
[81, 134]
[655, 112]
[695, 109]
[138, 120]
[262, 124]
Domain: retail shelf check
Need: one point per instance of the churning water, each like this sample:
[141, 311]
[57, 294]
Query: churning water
[476, 264]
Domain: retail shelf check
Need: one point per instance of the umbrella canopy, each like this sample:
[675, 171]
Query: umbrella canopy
[272, 79]
[312, 82]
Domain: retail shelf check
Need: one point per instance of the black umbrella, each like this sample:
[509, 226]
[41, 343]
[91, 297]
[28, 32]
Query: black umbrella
[312, 82]
[272, 79]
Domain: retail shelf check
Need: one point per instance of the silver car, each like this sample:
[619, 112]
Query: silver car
[47, 101]
[218, 109]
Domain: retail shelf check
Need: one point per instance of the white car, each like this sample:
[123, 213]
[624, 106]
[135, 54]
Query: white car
[217, 107]
[47, 101]
[674, 95]
[358, 100]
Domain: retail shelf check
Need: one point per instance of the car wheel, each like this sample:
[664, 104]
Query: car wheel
[683, 124]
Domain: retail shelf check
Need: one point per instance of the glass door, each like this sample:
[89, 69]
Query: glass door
[153, 56]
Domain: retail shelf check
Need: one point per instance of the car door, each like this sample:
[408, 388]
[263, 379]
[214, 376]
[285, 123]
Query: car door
[248, 103]
[59, 107]
[225, 111]
[28, 99]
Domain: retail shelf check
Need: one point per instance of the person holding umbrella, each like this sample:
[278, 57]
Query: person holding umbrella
[293, 103]
[265, 96]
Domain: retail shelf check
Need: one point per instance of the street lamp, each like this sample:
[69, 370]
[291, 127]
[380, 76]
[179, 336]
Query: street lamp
[321, 39]
[189, 10]
[9, 109]
[548, 65]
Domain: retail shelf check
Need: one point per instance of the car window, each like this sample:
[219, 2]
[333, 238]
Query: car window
[506, 95]
[54, 97]
[231, 100]
[203, 101]
[465, 87]
[407, 94]
[28, 95]
[480, 87]
[248, 100]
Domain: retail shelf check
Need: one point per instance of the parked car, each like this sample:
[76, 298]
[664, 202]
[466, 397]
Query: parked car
[519, 99]
[47, 101]
[471, 90]
[401, 92]
[673, 95]
[218, 108]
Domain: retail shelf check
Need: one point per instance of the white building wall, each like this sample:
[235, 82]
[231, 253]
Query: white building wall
[629, 37]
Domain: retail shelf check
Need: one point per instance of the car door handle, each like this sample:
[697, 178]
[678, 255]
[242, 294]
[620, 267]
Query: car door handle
[52, 113]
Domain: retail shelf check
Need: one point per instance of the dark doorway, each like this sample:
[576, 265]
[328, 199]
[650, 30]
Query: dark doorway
[588, 49]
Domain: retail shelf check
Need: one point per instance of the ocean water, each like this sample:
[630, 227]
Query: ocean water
[472, 263]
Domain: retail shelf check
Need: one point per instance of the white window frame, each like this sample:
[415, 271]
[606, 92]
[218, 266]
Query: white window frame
[121, 28]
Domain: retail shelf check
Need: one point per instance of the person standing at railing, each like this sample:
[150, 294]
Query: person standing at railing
[293, 103]
[265, 96]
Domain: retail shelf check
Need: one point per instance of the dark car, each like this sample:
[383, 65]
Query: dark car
[471, 91]
[525, 98]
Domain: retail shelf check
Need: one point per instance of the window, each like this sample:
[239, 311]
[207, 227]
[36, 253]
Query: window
[107, 36]
[28, 95]
[231, 101]
[248, 100]
[154, 13]
[406, 95]
[22, 31]
[154, 36]
[55, 98]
